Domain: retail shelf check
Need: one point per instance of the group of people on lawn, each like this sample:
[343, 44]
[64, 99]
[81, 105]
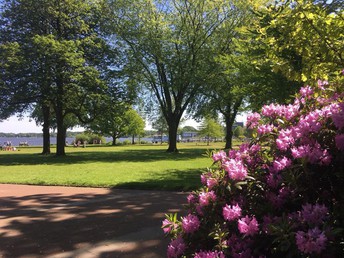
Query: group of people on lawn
[7, 146]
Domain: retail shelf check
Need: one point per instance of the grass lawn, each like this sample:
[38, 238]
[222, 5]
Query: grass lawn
[137, 167]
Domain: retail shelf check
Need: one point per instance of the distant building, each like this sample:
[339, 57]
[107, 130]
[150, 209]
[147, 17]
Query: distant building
[236, 124]
[189, 136]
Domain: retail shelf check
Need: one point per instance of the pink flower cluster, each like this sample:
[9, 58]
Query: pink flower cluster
[205, 198]
[209, 254]
[282, 187]
[248, 226]
[168, 226]
[313, 214]
[312, 241]
[190, 223]
[231, 212]
[235, 168]
[176, 248]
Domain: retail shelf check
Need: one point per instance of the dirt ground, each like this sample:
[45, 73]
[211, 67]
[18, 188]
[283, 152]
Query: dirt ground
[61, 222]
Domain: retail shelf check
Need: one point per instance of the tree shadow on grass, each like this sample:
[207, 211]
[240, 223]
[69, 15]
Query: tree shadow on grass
[101, 156]
[175, 180]
[117, 223]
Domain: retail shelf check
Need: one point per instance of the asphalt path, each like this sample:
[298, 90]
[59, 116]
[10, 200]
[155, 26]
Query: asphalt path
[66, 222]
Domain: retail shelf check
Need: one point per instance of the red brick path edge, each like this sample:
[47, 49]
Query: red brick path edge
[66, 222]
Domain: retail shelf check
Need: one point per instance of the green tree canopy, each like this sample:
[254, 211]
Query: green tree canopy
[169, 44]
[303, 38]
[51, 47]
[210, 128]
[136, 125]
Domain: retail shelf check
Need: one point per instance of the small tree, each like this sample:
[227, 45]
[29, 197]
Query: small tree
[239, 132]
[135, 124]
[210, 128]
[160, 125]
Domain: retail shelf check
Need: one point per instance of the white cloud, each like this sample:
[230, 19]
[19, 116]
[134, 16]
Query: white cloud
[22, 125]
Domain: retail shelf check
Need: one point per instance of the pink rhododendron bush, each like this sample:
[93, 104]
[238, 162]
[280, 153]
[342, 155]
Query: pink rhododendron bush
[281, 195]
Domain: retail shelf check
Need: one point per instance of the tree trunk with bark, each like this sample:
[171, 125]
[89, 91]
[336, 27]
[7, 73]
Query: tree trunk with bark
[230, 115]
[61, 137]
[114, 139]
[173, 123]
[229, 132]
[46, 130]
[61, 129]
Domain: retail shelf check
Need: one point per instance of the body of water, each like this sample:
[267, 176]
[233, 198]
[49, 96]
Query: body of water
[38, 141]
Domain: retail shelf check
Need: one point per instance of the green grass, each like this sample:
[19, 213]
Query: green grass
[137, 167]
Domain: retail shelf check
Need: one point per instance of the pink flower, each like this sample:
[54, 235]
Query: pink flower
[285, 139]
[321, 84]
[190, 223]
[291, 111]
[167, 225]
[340, 141]
[313, 214]
[272, 110]
[231, 212]
[221, 155]
[191, 198]
[338, 117]
[265, 129]
[211, 182]
[252, 120]
[209, 254]
[313, 241]
[281, 163]
[235, 168]
[248, 226]
[176, 248]
[306, 91]
[300, 152]
[206, 197]
[273, 180]
[204, 177]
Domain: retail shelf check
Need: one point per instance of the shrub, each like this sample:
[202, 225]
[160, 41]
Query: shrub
[239, 132]
[126, 142]
[277, 196]
[89, 138]
[82, 138]
[96, 139]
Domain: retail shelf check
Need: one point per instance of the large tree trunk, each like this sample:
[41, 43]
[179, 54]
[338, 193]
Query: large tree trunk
[230, 116]
[114, 138]
[229, 132]
[46, 128]
[61, 140]
[133, 139]
[61, 130]
[173, 123]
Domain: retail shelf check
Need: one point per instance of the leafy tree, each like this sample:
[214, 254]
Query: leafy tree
[188, 128]
[239, 131]
[302, 38]
[136, 125]
[160, 125]
[210, 129]
[55, 43]
[118, 120]
[168, 46]
[238, 83]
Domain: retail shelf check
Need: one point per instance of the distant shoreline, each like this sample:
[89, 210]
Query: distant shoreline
[36, 135]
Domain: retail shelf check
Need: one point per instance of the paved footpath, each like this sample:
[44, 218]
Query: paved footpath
[66, 222]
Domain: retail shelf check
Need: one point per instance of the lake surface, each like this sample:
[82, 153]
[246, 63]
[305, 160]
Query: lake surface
[38, 141]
